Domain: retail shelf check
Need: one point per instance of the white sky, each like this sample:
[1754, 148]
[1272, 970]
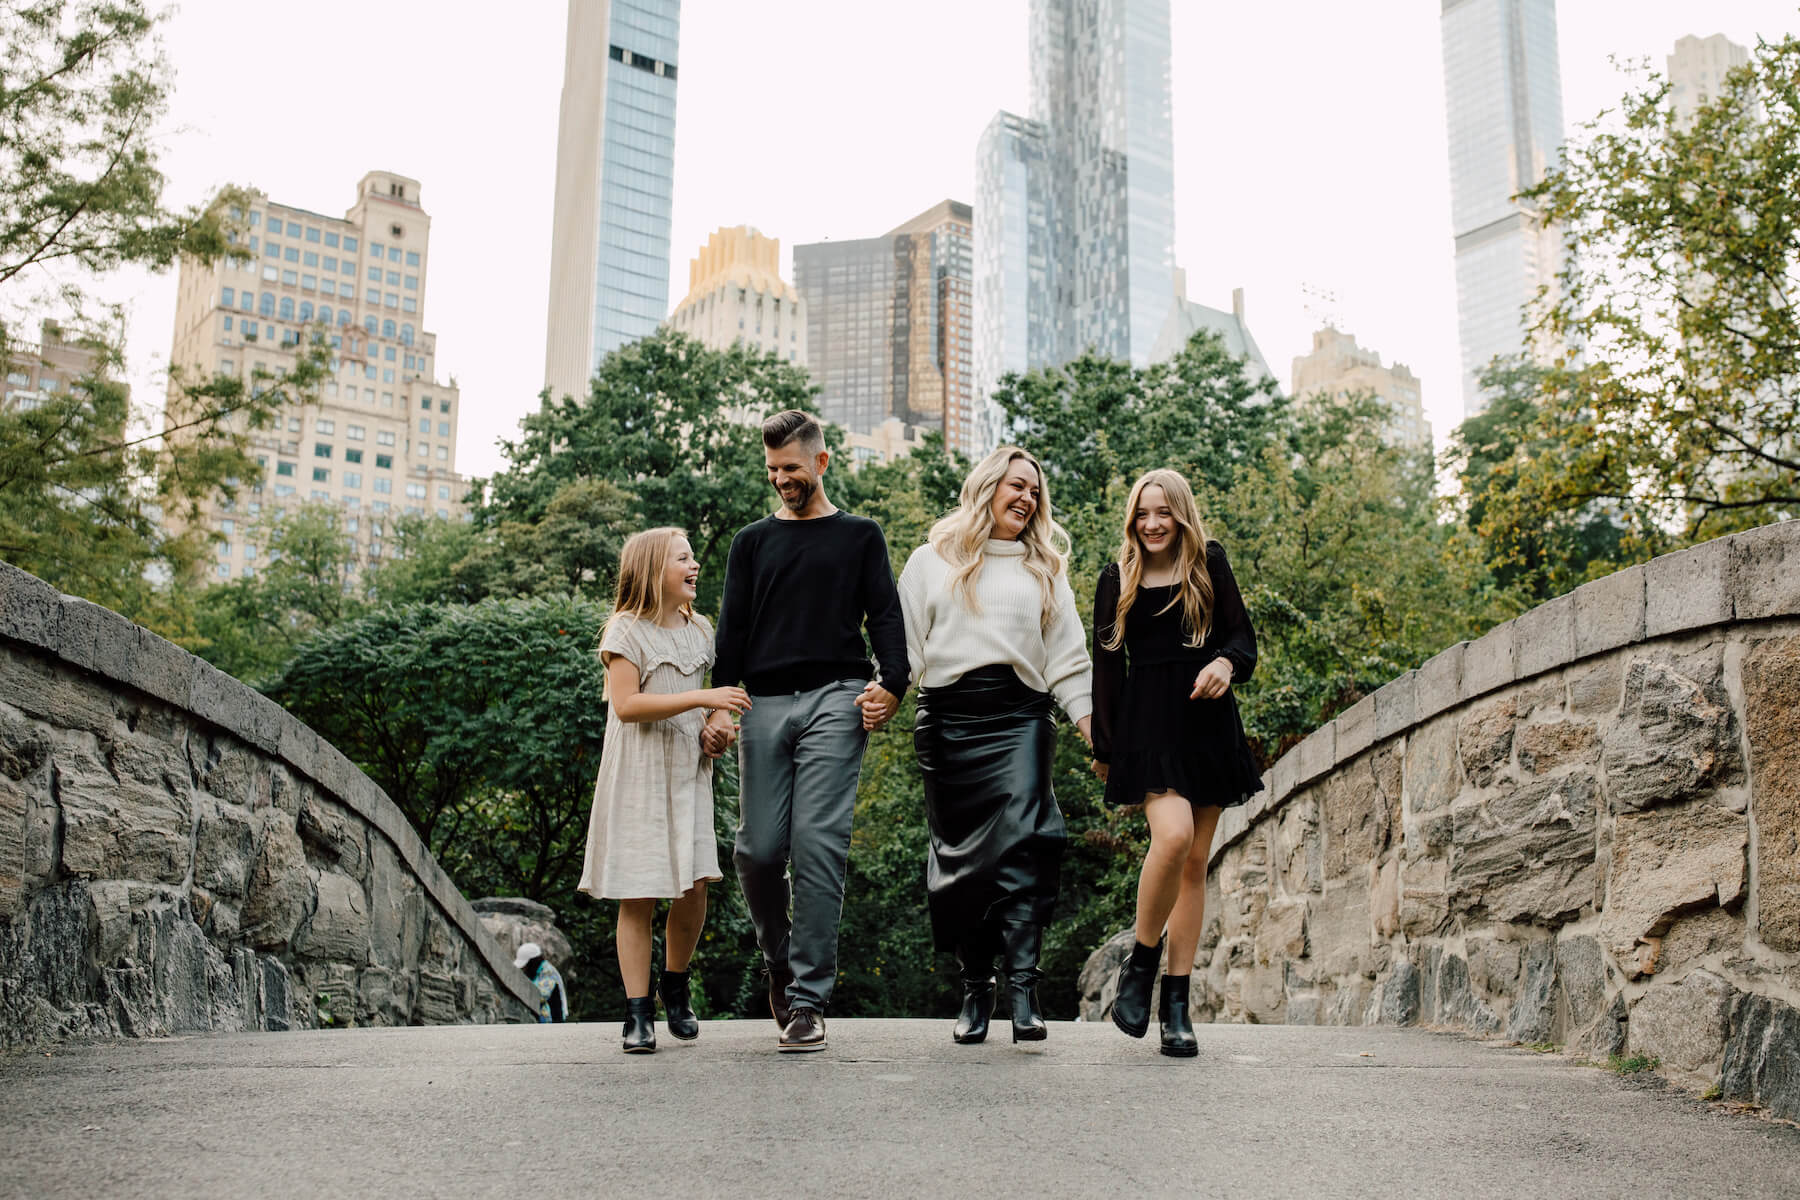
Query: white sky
[1309, 148]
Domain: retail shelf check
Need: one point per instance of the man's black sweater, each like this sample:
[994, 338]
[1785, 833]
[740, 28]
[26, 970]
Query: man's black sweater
[796, 596]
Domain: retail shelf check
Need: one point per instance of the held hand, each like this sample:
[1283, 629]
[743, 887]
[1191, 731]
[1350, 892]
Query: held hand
[716, 740]
[1099, 769]
[878, 706]
[1213, 680]
[727, 699]
[1085, 727]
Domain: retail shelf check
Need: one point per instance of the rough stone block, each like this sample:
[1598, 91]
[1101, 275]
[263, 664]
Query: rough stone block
[1609, 612]
[224, 846]
[1771, 679]
[161, 669]
[280, 890]
[30, 609]
[1762, 1059]
[1438, 685]
[96, 638]
[1685, 1025]
[1318, 753]
[1394, 706]
[334, 836]
[1355, 729]
[1697, 936]
[119, 827]
[1544, 747]
[302, 747]
[1545, 637]
[1594, 688]
[1397, 1003]
[216, 697]
[1485, 740]
[1671, 861]
[339, 929]
[1672, 739]
[1433, 775]
[1689, 589]
[1296, 849]
[1526, 853]
[1359, 817]
[1283, 933]
[1457, 1004]
[1384, 897]
[1494, 965]
[1424, 897]
[1284, 776]
[1489, 661]
[1765, 572]
[1533, 1017]
[52, 692]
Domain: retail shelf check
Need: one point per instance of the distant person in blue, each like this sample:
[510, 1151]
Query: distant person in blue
[800, 586]
[553, 1002]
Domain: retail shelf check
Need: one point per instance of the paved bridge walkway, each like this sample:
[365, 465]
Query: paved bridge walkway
[892, 1109]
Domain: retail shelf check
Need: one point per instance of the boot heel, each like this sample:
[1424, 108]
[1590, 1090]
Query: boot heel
[1021, 942]
[640, 1025]
[1178, 1039]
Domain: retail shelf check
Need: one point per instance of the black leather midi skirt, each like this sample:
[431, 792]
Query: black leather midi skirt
[984, 746]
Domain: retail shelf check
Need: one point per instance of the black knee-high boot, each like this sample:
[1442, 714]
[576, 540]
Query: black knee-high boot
[1022, 941]
[1137, 976]
[1177, 1031]
[975, 962]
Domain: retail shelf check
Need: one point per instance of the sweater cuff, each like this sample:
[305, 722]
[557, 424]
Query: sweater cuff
[1078, 707]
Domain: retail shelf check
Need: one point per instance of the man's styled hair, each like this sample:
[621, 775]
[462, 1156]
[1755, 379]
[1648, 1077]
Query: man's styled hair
[785, 428]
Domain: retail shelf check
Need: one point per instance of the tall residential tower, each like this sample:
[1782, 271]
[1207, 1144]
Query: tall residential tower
[615, 163]
[1075, 205]
[379, 439]
[736, 294]
[1503, 102]
[1698, 68]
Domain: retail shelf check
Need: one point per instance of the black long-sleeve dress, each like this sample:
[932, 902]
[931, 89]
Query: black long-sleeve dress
[1152, 737]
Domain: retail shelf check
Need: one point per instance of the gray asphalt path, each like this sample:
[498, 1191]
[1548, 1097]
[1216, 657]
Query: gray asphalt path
[891, 1109]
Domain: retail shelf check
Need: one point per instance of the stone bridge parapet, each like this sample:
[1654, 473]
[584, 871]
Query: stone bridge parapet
[180, 854]
[1581, 830]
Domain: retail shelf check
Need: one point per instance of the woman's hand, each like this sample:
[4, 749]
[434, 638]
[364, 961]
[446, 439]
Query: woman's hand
[729, 699]
[1213, 681]
[1099, 769]
[1085, 727]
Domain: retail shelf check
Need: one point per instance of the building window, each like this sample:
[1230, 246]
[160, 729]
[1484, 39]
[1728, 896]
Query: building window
[443, 453]
[284, 468]
[227, 324]
[321, 474]
[353, 432]
[227, 297]
[393, 279]
[415, 491]
[349, 243]
[443, 491]
[291, 278]
[287, 308]
[312, 235]
[388, 353]
[406, 339]
[374, 274]
[266, 304]
[324, 426]
[394, 251]
[443, 429]
[331, 239]
[384, 437]
[321, 450]
[290, 254]
[443, 405]
[376, 249]
[424, 424]
[352, 479]
[391, 300]
[387, 374]
[412, 258]
[424, 450]
[383, 486]
[385, 461]
[310, 259]
[409, 305]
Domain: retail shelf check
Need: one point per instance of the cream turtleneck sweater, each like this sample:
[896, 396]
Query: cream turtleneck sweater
[944, 640]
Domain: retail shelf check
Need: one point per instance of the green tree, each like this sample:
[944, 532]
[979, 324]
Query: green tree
[1680, 409]
[673, 423]
[86, 493]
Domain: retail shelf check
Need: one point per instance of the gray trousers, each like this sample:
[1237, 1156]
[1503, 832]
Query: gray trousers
[799, 756]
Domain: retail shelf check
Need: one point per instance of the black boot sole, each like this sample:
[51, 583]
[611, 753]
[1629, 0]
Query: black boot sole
[968, 1039]
[1030, 1034]
[1181, 1051]
[1127, 1030]
[685, 1037]
[640, 1049]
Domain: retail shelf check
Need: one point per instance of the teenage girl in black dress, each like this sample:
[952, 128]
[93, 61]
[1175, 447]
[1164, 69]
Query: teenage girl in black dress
[1170, 638]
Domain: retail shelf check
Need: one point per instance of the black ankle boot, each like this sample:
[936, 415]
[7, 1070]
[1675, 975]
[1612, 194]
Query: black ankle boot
[975, 961]
[1137, 976]
[640, 1025]
[1177, 1031]
[678, 1009]
[1021, 941]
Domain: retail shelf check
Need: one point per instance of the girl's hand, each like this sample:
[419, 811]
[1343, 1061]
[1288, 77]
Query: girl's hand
[1213, 680]
[1099, 769]
[730, 699]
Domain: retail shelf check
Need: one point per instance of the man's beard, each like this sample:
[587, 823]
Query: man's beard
[801, 493]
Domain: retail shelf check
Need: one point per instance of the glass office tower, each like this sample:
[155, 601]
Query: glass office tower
[1075, 205]
[615, 164]
[1503, 105]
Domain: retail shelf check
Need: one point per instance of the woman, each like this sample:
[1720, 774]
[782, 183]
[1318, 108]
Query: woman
[992, 633]
[1170, 638]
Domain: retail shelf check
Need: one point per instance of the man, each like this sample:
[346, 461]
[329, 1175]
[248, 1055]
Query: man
[799, 587]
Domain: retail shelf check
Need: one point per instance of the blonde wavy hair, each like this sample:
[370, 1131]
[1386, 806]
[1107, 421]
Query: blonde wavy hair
[641, 562]
[960, 537]
[1195, 595]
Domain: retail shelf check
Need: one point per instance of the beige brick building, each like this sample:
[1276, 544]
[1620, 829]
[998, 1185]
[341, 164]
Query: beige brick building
[1338, 366]
[52, 367]
[380, 440]
[736, 294]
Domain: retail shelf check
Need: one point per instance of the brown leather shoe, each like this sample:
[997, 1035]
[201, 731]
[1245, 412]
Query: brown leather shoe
[779, 979]
[806, 1031]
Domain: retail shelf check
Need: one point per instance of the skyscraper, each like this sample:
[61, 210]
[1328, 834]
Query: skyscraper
[379, 440]
[1075, 205]
[615, 163]
[736, 294]
[1338, 367]
[889, 326]
[1698, 68]
[1503, 102]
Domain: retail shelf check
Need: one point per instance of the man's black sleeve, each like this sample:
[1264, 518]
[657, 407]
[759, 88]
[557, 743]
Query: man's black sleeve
[881, 602]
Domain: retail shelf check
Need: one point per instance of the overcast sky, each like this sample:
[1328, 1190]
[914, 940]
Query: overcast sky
[1309, 148]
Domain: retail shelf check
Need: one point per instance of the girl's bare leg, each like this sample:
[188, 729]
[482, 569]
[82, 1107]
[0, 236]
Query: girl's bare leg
[633, 940]
[1188, 916]
[687, 917]
[1171, 820]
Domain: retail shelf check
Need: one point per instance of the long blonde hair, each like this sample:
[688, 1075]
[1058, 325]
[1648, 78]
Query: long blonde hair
[960, 537]
[1195, 594]
[641, 562]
